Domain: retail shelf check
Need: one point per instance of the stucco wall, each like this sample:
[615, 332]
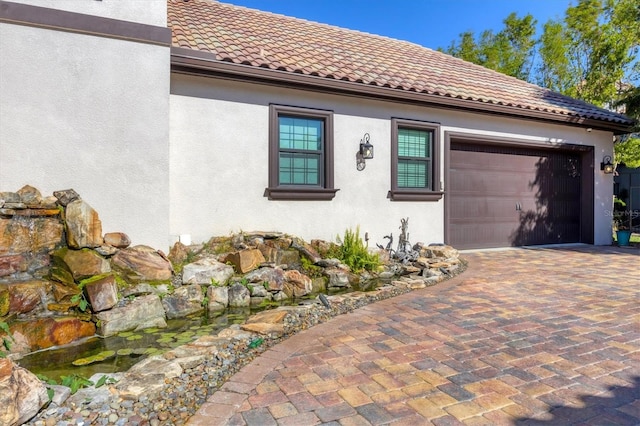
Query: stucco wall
[151, 12]
[88, 113]
[219, 169]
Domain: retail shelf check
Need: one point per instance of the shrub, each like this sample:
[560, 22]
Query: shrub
[353, 253]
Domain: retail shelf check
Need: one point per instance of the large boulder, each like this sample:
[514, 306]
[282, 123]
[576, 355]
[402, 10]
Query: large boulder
[245, 261]
[23, 297]
[141, 312]
[102, 292]
[84, 228]
[297, 284]
[142, 263]
[82, 264]
[184, 301]
[22, 394]
[117, 239]
[273, 277]
[44, 333]
[206, 271]
[239, 296]
[218, 298]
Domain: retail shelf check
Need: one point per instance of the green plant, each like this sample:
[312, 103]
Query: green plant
[75, 382]
[80, 300]
[105, 380]
[353, 253]
[309, 268]
[6, 340]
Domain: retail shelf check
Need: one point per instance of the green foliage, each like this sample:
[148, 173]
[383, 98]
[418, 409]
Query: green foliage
[510, 51]
[586, 55]
[6, 340]
[309, 268]
[627, 151]
[75, 382]
[256, 342]
[105, 380]
[353, 253]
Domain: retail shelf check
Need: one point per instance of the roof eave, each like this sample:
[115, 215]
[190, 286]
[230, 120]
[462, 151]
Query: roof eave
[190, 61]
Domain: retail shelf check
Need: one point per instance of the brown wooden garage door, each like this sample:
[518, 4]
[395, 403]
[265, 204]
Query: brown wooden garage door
[502, 196]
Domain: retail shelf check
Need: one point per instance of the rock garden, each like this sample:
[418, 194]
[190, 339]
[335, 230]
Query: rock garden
[64, 282]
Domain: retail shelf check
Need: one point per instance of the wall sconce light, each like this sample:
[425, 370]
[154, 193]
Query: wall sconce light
[606, 165]
[364, 153]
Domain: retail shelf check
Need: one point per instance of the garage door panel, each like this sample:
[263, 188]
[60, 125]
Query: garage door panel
[511, 196]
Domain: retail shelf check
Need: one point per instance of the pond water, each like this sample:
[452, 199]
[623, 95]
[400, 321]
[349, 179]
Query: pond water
[127, 348]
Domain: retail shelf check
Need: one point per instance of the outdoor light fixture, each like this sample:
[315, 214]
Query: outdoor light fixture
[365, 152]
[606, 165]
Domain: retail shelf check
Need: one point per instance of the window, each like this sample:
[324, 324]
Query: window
[300, 154]
[415, 172]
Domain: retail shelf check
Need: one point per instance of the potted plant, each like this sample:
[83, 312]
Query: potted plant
[622, 225]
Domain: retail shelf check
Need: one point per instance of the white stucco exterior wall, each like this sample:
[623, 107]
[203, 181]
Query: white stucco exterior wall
[219, 163]
[151, 12]
[89, 113]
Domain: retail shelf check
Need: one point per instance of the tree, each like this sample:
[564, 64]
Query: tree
[627, 149]
[589, 55]
[510, 51]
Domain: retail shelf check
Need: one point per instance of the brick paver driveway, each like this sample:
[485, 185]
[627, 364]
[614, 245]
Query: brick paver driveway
[544, 337]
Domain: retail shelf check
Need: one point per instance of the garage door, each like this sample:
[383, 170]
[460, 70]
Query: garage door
[502, 196]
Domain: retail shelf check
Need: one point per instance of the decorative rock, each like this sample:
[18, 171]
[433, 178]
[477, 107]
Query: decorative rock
[9, 197]
[239, 295]
[178, 254]
[156, 365]
[245, 261]
[26, 296]
[258, 291]
[141, 263]
[84, 228]
[46, 332]
[218, 298]
[206, 271]
[30, 196]
[102, 293]
[338, 278]
[60, 394]
[297, 284]
[306, 249]
[142, 312]
[82, 263]
[318, 285]
[117, 239]
[442, 251]
[12, 263]
[106, 250]
[274, 277]
[64, 292]
[147, 378]
[277, 255]
[22, 394]
[184, 301]
[66, 196]
[30, 235]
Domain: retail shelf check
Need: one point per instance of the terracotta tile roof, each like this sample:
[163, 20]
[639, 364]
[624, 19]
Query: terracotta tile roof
[254, 38]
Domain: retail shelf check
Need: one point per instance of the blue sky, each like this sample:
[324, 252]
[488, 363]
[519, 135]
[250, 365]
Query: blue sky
[430, 23]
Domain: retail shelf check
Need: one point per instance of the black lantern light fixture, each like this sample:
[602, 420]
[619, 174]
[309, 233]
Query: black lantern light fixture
[364, 153]
[606, 165]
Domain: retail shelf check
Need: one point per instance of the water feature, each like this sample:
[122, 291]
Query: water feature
[127, 348]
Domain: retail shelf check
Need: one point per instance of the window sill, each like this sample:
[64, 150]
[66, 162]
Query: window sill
[300, 194]
[414, 195]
